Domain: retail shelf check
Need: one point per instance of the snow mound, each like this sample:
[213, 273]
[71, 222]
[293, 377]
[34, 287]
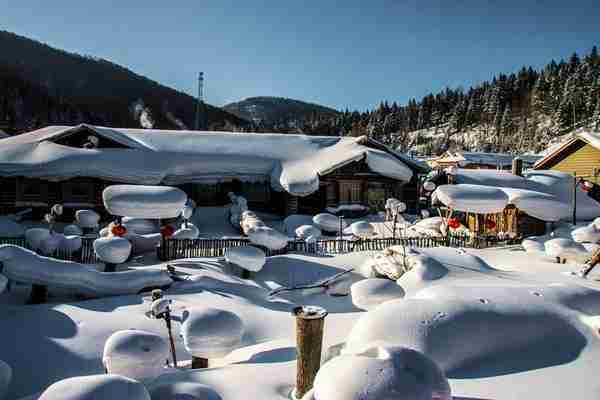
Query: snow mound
[35, 236]
[329, 222]
[135, 354]
[183, 391]
[10, 228]
[247, 257]
[189, 232]
[369, 293]
[72, 229]
[25, 266]
[96, 387]
[362, 229]
[112, 249]
[210, 332]
[87, 218]
[472, 198]
[566, 249]
[305, 231]
[268, 237]
[534, 243]
[5, 378]
[137, 201]
[381, 373]
[141, 226]
[588, 233]
[70, 243]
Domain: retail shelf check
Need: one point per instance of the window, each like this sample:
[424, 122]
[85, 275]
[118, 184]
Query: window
[350, 192]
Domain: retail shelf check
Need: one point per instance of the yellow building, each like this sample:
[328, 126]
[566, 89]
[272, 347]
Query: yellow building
[578, 155]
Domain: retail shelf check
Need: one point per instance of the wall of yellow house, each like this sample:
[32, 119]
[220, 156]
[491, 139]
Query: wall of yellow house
[584, 161]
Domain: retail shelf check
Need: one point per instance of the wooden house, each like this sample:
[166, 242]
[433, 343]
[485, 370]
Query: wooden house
[478, 160]
[282, 173]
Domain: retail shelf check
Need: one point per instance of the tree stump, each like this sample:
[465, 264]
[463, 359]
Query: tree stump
[309, 339]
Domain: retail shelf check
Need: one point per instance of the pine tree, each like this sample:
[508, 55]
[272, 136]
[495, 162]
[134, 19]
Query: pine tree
[596, 116]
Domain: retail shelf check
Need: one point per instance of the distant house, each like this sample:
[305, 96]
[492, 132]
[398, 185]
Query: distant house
[281, 173]
[479, 160]
[579, 154]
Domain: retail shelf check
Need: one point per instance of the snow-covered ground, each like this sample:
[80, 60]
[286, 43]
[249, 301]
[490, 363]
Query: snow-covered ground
[45, 343]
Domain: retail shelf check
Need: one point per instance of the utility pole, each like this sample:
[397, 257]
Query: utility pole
[200, 101]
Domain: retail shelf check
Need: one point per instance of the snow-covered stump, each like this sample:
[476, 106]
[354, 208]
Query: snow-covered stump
[309, 340]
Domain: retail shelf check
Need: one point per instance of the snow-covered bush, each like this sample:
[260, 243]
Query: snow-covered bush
[87, 218]
[305, 231]
[96, 387]
[112, 249]
[138, 201]
[384, 372]
[247, 257]
[5, 378]
[135, 354]
[329, 223]
[72, 229]
[211, 332]
[268, 237]
[369, 293]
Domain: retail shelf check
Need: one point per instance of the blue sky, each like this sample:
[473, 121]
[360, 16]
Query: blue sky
[338, 53]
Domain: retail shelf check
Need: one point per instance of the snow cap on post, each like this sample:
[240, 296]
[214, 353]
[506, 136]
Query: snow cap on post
[138, 201]
[96, 387]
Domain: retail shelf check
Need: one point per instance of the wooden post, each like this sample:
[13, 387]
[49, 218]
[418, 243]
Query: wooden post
[38, 295]
[309, 339]
[517, 166]
[199, 362]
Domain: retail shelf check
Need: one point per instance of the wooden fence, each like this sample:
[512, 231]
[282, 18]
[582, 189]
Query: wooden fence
[85, 255]
[172, 249]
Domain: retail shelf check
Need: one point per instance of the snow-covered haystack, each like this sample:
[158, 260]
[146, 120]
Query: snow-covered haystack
[87, 218]
[10, 228]
[25, 266]
[305, 231]
[186, 232]
[369, 293]
[35, 236]
[566, 249]
[211, 332]
[472, 198]
[5, 378]
[329, 223]
[112, 249]
[141, 226]
[137, 201]
[362, 229]
[136, 354]
[380, 372]
[141, 244]
[96, 387]
[183, 391]
[72, 229]
[586, 234]
[268, 237]
[247, 257]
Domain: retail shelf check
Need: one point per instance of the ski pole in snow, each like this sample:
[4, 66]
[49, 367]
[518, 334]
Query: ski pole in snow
[309, 340]
[161, 310]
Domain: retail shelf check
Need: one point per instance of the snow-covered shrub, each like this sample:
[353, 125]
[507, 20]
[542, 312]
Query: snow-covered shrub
[72, 229]
[329, 222]
[384, 372]
[247, 257]
[112, 249]
[35, 236]
[5, 378]
[305, 231]
[96, 387]
[369, 293]
[135, 354]
[141, 226]
[138, 201]
[87, 218]
[362, 229]
[268, 237]
[211, 332]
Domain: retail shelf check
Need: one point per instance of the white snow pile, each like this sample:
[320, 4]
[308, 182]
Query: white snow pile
[249, 220]
[135, 354]
[566, 249]
[587, 234]
[294, 221]
[137, 201]
[472, 198]
[72, 230]
[362, 229]
[247, 257]
[380, 372]
[5, 378]
[112, 249]
[22, 265]
[186, 232]
[141, 226]
[96, 387]
[369, 293]
[535, 243]
[211, 332]
[87, 218]
[46, 242]
[305, 231]
[268, 237]
[394, 206]
[329, 223]
[183, 391]
[10, 228]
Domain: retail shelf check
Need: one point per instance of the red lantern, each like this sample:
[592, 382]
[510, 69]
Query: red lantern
[490, 224]
[454, 223]
[119, 230]
[167, 231]
[586, 186]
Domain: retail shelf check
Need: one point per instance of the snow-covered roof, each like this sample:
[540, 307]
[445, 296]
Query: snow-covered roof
[465, 158]
[290, 162]
[546, 195]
